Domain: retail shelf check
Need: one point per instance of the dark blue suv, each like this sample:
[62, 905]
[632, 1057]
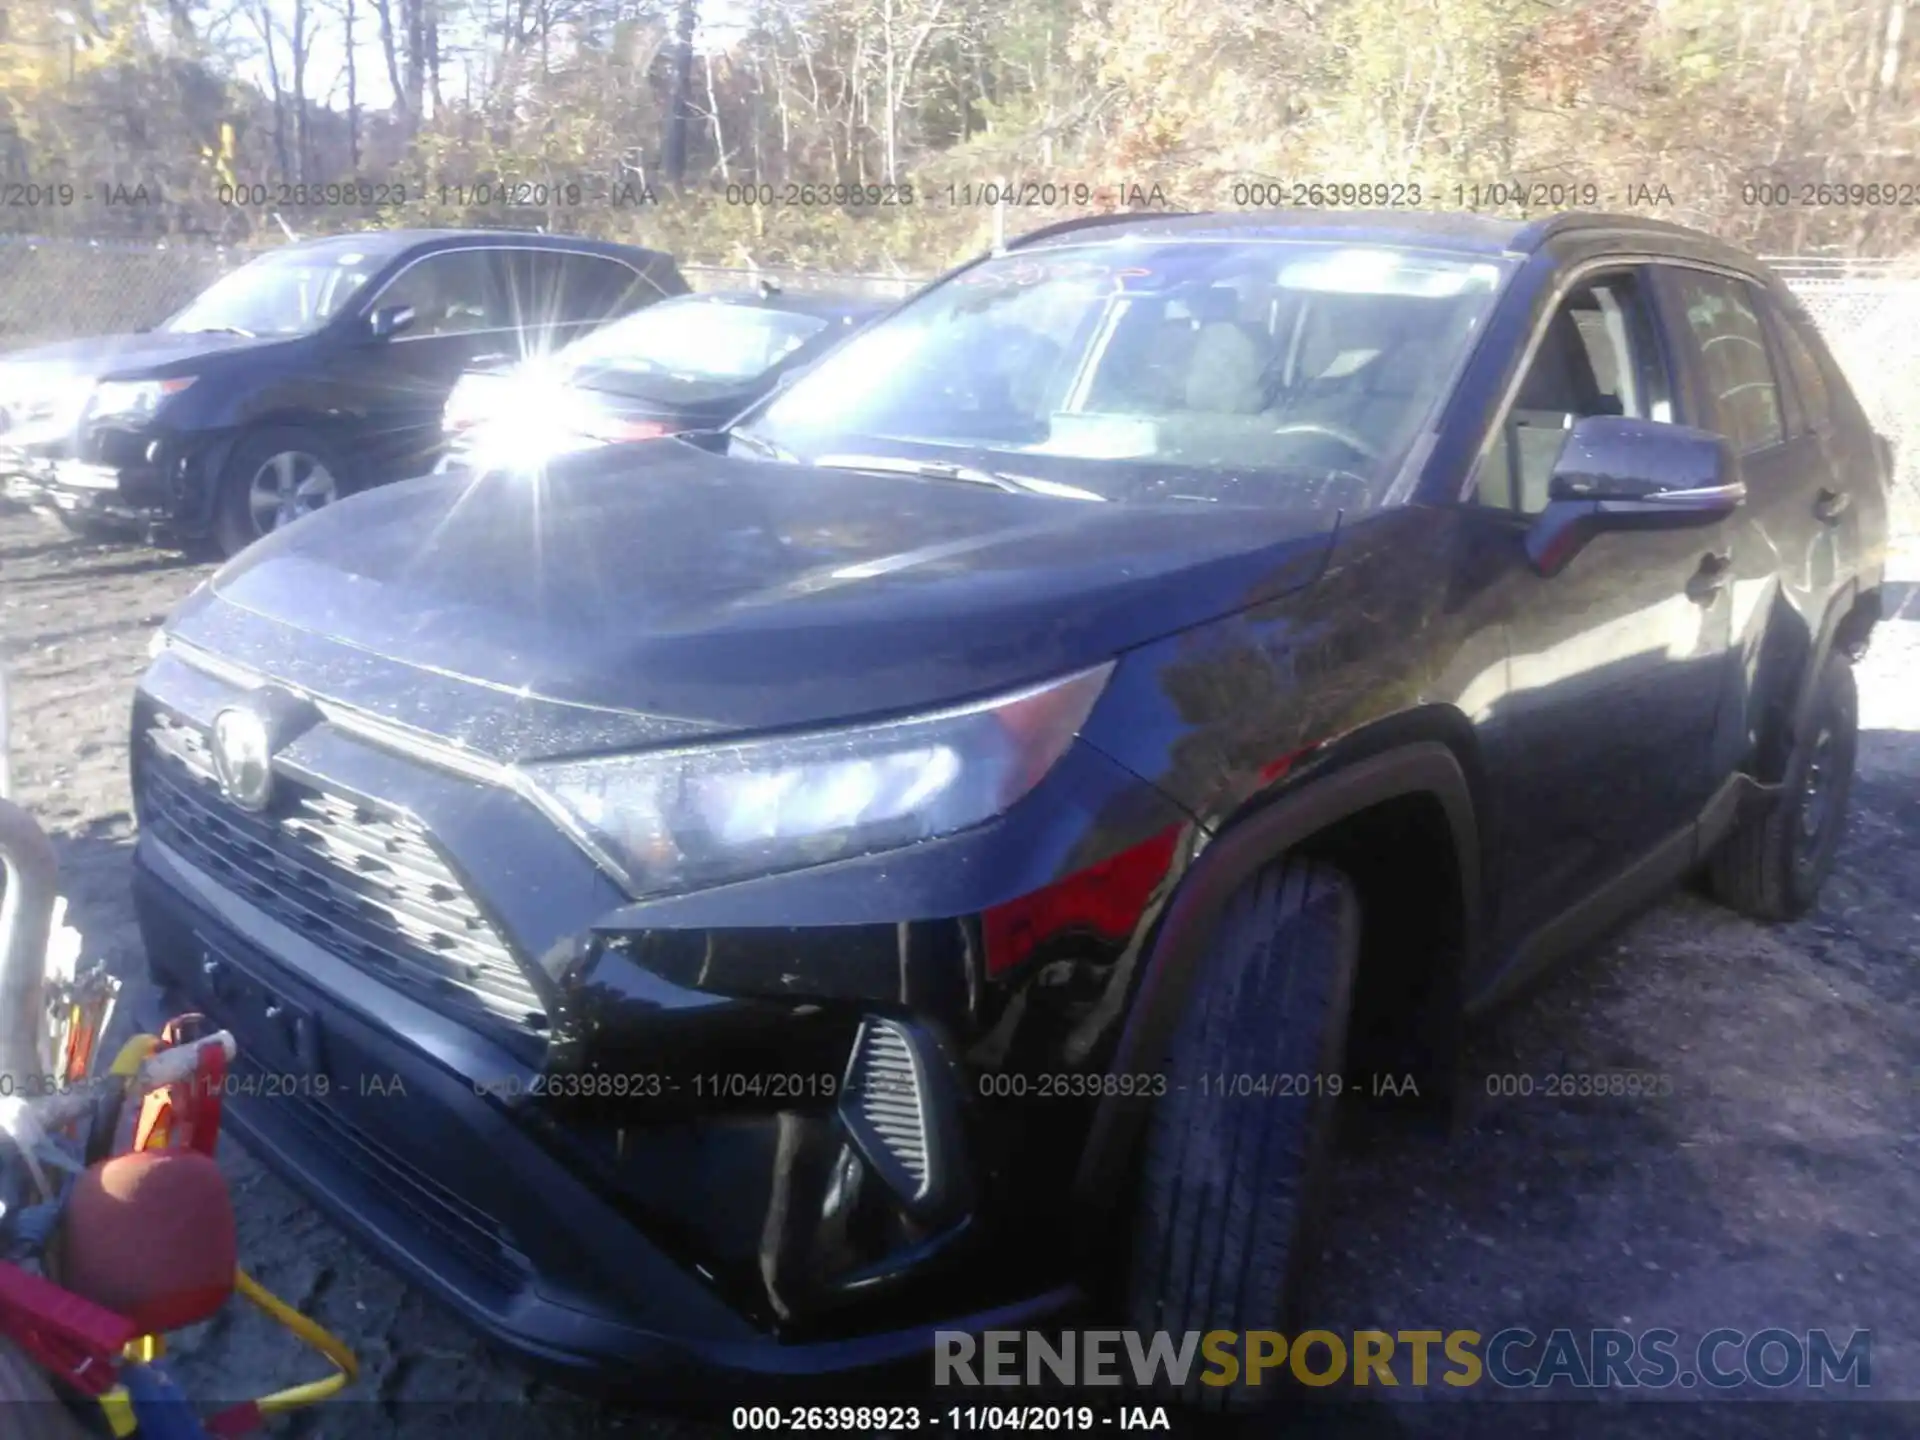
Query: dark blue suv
[313, 370]
[943, 849]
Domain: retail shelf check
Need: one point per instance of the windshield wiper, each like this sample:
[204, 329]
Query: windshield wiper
[763, 447]
[968, 474]
[224, 330]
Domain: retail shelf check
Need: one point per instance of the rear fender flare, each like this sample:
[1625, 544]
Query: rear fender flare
[1807, 690]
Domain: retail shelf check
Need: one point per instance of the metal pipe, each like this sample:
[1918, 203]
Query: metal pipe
[26, 923]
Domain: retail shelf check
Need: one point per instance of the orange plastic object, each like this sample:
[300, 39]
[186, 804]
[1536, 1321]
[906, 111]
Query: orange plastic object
[187, 1113]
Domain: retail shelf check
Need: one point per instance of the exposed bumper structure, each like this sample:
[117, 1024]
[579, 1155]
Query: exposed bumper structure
[552, 1270]
[640, 1146]
[151, 484]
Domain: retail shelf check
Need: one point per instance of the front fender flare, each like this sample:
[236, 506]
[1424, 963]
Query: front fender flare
[1426, 767]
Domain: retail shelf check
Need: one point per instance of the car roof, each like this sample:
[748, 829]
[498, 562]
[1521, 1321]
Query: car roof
[387, 244]
[1458, 231]
[828, 304]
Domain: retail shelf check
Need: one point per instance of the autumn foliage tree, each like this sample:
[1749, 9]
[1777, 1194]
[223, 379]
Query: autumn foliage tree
[1767, 120]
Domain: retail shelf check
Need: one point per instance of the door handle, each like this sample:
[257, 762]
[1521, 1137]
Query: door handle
[1830, 505]
[1711, 578]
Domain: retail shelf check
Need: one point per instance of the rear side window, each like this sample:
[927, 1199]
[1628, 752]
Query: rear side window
[451, 293]
[1724, 317]
[1808, 378]
[545, 288]
[594, 288]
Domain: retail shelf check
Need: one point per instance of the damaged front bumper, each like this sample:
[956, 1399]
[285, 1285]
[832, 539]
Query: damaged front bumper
[734, 1132]
[159, 487]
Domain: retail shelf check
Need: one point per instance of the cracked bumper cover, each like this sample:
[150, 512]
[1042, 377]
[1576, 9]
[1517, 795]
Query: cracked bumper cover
[479, 1212]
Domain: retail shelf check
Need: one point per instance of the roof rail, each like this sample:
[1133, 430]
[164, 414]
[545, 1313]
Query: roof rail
[1087, 222]
[1536, 233]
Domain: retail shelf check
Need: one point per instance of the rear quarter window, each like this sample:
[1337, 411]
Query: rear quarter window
[1808, 376]
[595, 288]
[1732, 356]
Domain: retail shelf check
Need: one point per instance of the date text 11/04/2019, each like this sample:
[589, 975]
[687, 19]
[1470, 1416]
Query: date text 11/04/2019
[999, 1085]
[1415, 195]
[955, 1419]
[247, 1084]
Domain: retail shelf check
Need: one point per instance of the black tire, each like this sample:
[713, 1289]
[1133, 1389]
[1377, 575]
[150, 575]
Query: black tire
[235, 523]
[1773, 865]
[1230, 1183]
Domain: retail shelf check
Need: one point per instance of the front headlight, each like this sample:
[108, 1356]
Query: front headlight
[684, 819]
[37, 403]
[133, 399]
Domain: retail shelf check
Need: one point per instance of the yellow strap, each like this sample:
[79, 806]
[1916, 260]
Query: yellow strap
[127, 1063]
[146, 1349]
[118, 1406]
[299, 1396]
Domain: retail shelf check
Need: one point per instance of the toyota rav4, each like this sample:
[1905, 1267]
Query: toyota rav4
[938, 852]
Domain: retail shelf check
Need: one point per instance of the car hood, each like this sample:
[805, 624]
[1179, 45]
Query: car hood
[96, 356]
[660, 593]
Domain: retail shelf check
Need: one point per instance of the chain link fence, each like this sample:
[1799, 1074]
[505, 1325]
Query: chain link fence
[1869, 313]
[58, 289]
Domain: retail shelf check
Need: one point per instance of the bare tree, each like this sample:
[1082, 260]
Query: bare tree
[673, 160]
[267, 27]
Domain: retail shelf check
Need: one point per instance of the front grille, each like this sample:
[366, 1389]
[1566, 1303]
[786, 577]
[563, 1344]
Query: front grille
[369, 886]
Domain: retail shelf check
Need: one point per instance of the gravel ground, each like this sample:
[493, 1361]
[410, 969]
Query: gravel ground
[1776, 1184]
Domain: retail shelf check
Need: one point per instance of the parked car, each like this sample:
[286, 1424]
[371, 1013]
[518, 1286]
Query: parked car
[690, 363]
[317, 368]
[943, 855]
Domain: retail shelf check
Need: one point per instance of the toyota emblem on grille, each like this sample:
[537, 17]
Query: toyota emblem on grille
[243, 758]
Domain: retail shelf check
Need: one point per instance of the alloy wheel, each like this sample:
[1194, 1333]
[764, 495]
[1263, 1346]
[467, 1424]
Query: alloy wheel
[287, 486]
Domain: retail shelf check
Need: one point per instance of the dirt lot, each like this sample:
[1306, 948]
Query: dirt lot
[1776, 1185]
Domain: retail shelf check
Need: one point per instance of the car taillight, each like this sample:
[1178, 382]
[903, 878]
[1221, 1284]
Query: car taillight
[463, 409]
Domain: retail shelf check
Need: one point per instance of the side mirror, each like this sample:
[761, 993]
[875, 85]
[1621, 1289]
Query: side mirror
[389, 320]
[1616, 473]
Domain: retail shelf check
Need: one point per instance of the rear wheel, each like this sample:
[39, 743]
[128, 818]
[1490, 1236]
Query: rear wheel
[274, 478]
[1236, 1149]
[1773, 865]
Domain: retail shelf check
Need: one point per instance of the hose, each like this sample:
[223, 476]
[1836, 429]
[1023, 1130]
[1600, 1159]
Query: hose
[26, 920]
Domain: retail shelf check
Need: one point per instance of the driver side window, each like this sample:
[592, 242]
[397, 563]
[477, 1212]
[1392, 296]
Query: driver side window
[1596, 357]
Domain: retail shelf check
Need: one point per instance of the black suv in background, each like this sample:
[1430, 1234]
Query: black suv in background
[690, 363]
[315, 369]
[936, 851]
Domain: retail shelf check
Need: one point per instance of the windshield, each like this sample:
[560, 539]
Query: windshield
[285, 293]
[1190, 369]
[691, 338]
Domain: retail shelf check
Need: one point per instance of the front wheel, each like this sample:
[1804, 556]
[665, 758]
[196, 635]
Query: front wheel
[274, 478]
[1236, 1148]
